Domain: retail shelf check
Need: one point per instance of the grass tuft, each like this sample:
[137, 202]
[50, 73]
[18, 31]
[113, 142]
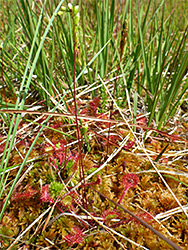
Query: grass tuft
[93, 124]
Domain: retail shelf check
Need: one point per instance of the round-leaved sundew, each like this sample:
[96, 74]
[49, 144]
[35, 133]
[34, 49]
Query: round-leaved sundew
[129, 180]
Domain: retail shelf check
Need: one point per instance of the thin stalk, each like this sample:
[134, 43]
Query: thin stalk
[81, 169]
[122, 46]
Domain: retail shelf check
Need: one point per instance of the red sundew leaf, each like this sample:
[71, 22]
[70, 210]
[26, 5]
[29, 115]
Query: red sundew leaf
[6, 219]
[74, 157]
[76, 238]
[53, 162]
[130, 180]
[91, 109]
[72, 194]
[141, 120]
[25, 195]
[60, 157]
[45, 194]
[94, 104]
[144, 216]
[84, 111]
[114, 138]
[129, 145]
[109, 214]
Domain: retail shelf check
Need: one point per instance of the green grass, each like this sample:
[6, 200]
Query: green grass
[155, 48]
[40, 54]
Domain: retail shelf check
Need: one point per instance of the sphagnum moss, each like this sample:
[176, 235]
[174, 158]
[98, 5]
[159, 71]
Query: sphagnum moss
[77, 49]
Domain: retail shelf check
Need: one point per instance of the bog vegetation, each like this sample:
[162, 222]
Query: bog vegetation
[94, 124]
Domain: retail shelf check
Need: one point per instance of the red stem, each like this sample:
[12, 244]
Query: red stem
[124, 192]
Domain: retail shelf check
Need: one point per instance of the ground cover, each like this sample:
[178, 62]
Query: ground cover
[94, 125]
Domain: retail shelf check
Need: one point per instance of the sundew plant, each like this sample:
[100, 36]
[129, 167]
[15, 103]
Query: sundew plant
[93, 124]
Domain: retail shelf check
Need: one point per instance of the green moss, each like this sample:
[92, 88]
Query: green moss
[55, 189]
